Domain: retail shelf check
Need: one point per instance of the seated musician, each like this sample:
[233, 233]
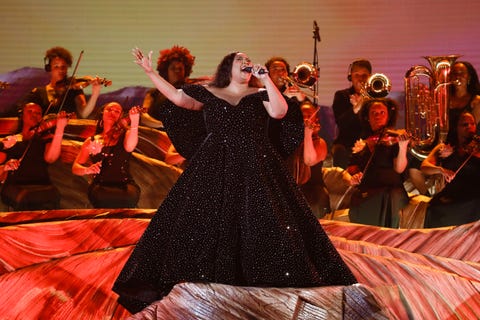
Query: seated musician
[63, 93]
[107, 155]
[458, 161]
[25, 159]
[377, 165]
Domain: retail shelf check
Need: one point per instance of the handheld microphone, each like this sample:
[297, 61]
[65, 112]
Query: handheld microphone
[249, 69]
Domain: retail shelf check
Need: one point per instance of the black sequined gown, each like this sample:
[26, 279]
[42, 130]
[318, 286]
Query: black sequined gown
[235, 216]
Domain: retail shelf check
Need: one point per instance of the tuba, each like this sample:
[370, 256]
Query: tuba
[426, 104]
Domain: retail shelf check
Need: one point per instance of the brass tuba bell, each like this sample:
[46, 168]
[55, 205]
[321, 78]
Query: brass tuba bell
[427, 103]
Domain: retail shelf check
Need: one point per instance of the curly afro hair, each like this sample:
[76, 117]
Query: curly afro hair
[176, 53]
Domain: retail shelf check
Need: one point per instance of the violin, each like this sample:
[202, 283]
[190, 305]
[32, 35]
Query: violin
[122, 124]
[82, 82]
[49, 122]
[389, 137]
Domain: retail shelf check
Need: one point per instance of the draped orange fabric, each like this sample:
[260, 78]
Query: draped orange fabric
[62, 264]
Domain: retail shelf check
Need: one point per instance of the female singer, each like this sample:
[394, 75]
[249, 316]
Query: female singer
[376, 167]
[235, 215]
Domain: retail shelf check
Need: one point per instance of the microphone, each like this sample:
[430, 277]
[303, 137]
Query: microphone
[316, 33]
[249, 70]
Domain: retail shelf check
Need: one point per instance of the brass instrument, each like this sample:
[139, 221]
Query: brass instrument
[427, 103]
[304, 75]
[377, 86]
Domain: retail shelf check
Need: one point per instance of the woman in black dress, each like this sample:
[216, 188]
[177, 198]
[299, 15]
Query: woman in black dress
[235, 215]
[107, 156]
[376, 167]
[458, 161]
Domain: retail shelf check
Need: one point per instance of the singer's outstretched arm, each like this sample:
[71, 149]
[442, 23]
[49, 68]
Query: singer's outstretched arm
[178, 97]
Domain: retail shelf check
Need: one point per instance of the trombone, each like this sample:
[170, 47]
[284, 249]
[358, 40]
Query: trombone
[304, 75]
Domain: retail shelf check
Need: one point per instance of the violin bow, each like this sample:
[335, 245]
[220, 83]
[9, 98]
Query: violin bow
[72, 78]
[364, 171]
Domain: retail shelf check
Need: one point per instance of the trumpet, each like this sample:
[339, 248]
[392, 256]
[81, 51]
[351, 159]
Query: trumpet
[377, 86]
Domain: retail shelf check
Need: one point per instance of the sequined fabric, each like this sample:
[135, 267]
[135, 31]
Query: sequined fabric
[235, 216]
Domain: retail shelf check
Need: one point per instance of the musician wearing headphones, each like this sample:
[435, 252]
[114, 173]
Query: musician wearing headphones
[27, 183]
[346, 106]
[61, 93]
[306, 161]
[458, 161]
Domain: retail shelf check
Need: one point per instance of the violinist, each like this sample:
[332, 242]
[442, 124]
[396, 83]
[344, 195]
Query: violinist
[458, 161]
[62, 92]
[106, 156]
[25, 163]
[376, 167]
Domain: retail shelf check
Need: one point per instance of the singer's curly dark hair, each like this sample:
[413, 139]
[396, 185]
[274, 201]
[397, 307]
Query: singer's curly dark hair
[175, 53]
[59, 52]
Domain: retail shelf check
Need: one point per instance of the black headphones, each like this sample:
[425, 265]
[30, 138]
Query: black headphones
[46, 62]
[349, 76]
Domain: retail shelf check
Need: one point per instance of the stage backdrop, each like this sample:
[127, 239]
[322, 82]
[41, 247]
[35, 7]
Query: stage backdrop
[394, 35]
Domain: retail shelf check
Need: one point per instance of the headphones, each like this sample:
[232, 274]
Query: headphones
[349, 76]
[46, 62]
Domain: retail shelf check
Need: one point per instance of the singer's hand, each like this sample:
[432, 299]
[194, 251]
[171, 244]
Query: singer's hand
[259, 71]
[143, 61]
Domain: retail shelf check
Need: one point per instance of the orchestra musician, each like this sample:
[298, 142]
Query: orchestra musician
[458, 161]
[376, 167]
[107, 156]
[25, 159]
[63, 92]
[346, 106]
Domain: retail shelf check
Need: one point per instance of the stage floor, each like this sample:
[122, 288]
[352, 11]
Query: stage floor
[61, 264]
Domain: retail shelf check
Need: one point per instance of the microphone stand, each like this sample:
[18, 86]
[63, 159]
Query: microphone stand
[316, 38]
